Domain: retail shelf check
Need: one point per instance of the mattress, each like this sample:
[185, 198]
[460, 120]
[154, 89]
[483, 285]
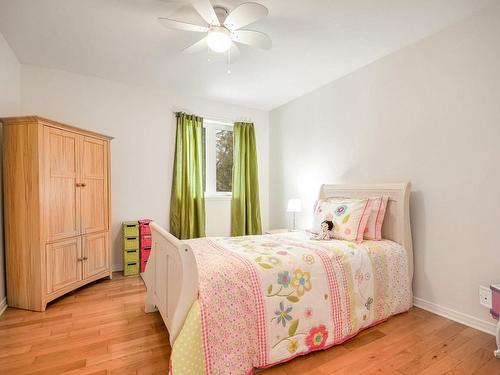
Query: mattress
[266, 299]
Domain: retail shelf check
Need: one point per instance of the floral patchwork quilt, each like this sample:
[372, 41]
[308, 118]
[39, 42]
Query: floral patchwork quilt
[266, 299]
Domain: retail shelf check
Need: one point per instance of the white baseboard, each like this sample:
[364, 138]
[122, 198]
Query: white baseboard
[3, 305]
[117, 267]
[457, 316]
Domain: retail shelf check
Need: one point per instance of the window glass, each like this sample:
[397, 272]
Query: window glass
[218, 158]
[224, 160]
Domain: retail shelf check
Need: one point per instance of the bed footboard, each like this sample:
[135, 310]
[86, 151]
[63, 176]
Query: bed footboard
[171, 279]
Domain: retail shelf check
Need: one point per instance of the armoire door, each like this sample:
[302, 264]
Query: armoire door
[62, 194]
[63, 264]
[95, 254]
[94, 176]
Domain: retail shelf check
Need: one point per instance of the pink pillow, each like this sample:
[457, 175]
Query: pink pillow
[349, 217]
[373, 230]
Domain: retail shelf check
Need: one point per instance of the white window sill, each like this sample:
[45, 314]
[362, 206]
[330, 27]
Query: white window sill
[221, 197]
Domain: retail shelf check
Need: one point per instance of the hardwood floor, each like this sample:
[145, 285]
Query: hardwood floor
[102, 329]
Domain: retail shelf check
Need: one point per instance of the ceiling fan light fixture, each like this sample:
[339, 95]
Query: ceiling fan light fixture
[219, 39]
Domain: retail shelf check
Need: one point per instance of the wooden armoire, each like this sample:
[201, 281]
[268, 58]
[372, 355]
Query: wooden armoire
[56, 186]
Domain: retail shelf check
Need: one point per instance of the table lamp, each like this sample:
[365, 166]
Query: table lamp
[294, 206]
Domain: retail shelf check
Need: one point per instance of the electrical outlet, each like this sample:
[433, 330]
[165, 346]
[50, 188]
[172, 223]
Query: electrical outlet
[485, 296]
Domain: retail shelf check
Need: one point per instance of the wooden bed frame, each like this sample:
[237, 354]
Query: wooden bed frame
[171, 276]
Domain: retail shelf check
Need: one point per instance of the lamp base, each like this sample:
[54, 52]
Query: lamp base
[293, 228]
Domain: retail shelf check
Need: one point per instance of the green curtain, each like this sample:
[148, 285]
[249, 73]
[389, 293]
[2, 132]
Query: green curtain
[187, 202]
[245, 205]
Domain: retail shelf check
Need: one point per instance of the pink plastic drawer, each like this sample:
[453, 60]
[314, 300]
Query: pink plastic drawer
[143, 265]
[144, 226]
[145, 254]
[145, 241]
[144, 229]
[495, 305]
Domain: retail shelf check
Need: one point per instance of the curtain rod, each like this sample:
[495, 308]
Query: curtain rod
[209, 120]
[215, 118]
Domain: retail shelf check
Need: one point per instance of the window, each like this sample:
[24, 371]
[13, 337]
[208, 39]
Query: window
[218, 154]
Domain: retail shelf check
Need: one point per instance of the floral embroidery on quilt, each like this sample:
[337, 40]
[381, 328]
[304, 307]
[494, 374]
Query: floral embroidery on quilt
[265, 299]
[333, 282]
[317, 337]
[292, 288]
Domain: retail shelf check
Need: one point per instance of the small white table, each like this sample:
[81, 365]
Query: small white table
[495, 311]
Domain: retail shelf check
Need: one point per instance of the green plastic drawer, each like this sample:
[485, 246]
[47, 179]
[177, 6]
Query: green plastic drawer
[130, 229]
[131, 255]
[131, 243]
[130, 268]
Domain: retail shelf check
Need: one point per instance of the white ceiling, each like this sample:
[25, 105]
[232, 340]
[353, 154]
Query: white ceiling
[314, 42]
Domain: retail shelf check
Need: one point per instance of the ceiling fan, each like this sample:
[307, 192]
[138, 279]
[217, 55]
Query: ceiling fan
[224, 27]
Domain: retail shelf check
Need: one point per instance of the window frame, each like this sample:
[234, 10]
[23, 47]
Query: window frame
[211, 127]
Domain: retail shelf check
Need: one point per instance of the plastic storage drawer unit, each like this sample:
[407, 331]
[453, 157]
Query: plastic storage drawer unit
[131, 243]
[143, 265]
[131, 268]
[145, 242]
[131, 248]
[144, 226]
[144, 258]
[130, 229]
[131, 255]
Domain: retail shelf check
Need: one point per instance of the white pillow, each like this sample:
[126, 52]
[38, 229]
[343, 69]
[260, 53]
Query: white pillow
[349, 217]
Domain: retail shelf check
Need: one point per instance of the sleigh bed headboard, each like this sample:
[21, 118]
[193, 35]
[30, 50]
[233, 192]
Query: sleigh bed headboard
[396, 225]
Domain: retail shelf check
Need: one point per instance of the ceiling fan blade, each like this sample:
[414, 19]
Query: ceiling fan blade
[206, 11]
[200, 45]
[179, 25]
[252, 38]
[245, 14]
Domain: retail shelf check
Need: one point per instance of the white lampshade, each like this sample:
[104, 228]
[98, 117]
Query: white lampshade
[294, 205]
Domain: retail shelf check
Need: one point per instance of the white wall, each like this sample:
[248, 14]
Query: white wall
[143, 124]
[218, 213]
[10, 73]
[429, 114]
[9, 106]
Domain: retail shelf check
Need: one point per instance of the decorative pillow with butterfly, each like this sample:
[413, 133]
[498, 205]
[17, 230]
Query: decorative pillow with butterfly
[349, 217]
